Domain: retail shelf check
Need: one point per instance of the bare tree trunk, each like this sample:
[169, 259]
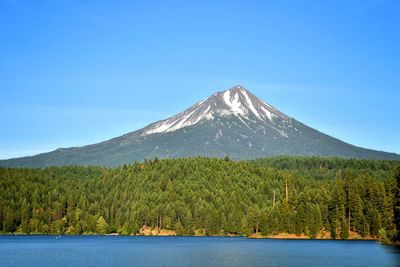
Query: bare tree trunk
[287, 196]
[349, 220]
[273, 201]
[349, 208]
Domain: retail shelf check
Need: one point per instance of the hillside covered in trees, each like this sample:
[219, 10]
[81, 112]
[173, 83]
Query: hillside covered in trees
[302, 196]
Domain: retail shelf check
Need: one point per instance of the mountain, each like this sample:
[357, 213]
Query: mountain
[232, 123]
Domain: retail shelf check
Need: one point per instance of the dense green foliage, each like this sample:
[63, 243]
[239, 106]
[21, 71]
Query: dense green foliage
[209, 196]
[397, 205]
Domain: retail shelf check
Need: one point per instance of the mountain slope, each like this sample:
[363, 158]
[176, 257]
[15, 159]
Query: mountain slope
[232, 123]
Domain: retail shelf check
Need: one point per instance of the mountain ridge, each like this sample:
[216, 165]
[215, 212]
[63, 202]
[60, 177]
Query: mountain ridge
[233, 123]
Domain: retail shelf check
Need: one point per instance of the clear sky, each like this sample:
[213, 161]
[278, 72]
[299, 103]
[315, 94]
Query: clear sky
[79, 72]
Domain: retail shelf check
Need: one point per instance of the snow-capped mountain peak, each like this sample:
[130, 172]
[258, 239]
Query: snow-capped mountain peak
[231, 123]
[236, 101]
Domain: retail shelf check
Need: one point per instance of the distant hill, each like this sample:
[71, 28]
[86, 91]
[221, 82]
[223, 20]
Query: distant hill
[232, 123]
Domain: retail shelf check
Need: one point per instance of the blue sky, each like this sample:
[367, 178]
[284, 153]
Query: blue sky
[80, 72]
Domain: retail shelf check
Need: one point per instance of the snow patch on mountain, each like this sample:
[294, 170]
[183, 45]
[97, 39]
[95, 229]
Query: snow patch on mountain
[218, 135]
[250, 104]
[268, 113]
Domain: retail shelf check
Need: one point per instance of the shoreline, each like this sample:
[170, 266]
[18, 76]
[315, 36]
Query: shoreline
[149, 231]
[277, 236]
[322, 235]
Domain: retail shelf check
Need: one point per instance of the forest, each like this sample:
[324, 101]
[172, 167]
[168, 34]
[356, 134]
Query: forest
[309, 196]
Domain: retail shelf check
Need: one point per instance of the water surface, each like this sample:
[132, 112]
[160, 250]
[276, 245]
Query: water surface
[189, 251]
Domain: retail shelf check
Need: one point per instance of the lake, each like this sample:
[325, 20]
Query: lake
[190, 251]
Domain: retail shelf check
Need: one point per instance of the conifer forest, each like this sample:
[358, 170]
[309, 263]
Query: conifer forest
[313, 197]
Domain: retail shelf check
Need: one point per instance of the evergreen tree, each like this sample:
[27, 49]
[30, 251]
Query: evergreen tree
[101, 226]
[397, 204]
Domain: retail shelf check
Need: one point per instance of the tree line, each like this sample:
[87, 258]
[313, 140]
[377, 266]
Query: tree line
[309, 196]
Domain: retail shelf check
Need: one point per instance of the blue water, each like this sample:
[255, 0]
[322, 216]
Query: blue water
[189, 251]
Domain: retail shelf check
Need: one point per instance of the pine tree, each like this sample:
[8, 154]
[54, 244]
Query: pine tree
[101, 226]
[397, 205]
[345, 228]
